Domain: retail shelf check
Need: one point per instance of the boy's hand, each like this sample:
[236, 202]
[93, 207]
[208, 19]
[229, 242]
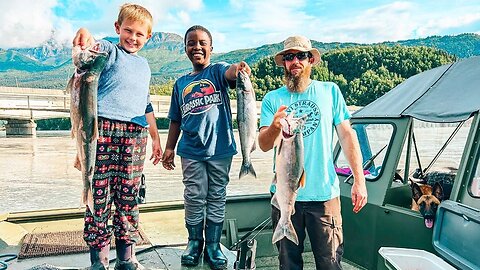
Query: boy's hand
[83, 38]
[243, 66]
[157, 152]
[168, 159]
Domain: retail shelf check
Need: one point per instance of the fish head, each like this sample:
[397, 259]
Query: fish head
[291, 125]
[243, 84]
[87, 58]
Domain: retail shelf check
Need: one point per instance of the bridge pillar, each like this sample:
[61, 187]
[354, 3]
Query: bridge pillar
[23, 128]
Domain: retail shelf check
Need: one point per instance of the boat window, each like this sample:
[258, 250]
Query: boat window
[435, 153]
[475, 185]
[374, 140]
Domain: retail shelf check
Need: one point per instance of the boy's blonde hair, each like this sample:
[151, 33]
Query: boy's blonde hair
[137, 13]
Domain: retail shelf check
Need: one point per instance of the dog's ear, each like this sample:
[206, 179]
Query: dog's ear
[416, 192]
[437, 191]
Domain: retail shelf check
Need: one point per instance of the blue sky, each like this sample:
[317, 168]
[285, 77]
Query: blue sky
[237, 24]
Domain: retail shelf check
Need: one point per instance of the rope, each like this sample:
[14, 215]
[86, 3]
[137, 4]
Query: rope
[9, 257]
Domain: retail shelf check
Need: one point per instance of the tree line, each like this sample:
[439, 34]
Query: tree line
[363, 73]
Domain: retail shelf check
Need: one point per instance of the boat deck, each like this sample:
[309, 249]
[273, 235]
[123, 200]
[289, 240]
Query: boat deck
[164, 229]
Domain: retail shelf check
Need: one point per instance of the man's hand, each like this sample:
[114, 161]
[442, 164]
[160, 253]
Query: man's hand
[359, 195]
[281, 113]
[168, 159]
[83, 38]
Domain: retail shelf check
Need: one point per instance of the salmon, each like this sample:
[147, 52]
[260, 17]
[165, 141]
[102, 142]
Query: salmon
[83, 88]
[289, 175]
[247, 122]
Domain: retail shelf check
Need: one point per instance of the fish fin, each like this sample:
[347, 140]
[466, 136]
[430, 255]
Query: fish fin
[254, 147]
[277, 234]
[290, 233]
[76, 164]
[247, 169]
[279, 148]
[70, 84]
[95, 131]
[285, 230]
[274, 201]
[302, 180]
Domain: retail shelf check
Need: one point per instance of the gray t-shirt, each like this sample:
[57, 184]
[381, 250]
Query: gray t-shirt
[200, 103]
[123, 86]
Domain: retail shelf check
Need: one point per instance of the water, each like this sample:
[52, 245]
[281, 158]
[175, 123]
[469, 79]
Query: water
[38, 174]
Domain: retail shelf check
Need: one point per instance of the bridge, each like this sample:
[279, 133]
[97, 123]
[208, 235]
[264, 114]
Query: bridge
[20, 107]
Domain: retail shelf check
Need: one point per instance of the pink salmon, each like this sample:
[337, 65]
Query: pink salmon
[289, 175]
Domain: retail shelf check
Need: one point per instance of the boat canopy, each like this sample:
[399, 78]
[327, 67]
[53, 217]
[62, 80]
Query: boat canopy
[448, 93]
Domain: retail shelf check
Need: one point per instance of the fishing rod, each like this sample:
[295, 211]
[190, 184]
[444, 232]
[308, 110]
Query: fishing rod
[365, 165]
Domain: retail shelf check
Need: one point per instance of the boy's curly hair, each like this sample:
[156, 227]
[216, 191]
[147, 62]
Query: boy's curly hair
[137, 13]
[197, 27]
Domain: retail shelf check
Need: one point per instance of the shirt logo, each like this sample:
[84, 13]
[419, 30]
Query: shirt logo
[199, 96]
[309, 108]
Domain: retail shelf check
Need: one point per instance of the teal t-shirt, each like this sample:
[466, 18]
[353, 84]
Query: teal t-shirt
[325, 108]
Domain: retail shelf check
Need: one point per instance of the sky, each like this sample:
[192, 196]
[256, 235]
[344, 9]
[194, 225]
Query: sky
[241, 24]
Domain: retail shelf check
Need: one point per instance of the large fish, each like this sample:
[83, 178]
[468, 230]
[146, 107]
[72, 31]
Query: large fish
[247, 121]
[289, 175]
[83, 85]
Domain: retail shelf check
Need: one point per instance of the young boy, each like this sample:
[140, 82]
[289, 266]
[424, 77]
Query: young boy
[124, 114]
[200, 107]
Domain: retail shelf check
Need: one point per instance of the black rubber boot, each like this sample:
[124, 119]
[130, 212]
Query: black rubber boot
[126, 256]
[99, 258]
[213, 253]
[194, 248]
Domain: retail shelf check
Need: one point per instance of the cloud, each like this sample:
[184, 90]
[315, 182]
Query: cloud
[239, 24]
[25, 23]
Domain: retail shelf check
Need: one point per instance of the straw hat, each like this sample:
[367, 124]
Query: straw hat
[299, 43]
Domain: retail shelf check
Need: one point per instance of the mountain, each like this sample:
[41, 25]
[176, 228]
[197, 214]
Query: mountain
[49, 65]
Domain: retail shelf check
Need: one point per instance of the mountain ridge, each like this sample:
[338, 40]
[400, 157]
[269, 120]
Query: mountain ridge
[48, 65]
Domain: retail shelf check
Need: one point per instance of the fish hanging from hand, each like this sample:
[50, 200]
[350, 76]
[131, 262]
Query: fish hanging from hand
[83, 87]
[289, 175]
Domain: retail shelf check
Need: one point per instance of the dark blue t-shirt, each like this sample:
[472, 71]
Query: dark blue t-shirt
[200, 103]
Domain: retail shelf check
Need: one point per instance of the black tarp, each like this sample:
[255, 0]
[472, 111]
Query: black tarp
[449, 93]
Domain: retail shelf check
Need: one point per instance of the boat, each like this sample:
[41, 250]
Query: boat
[447, 98]
[386, 229]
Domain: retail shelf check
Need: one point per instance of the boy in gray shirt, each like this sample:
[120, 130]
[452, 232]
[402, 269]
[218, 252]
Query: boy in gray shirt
[125, 117]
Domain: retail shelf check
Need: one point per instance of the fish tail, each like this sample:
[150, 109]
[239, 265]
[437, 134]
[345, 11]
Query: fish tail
[274, 201]
[247, 168]
[285, 230]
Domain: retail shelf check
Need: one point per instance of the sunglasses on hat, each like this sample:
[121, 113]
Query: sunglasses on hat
[300, 56]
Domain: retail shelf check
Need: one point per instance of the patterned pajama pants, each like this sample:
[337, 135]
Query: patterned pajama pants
[118, 171]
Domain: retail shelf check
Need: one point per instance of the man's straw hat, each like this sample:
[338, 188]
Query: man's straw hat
[298, 43]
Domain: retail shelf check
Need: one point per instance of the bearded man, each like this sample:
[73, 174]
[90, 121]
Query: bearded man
[317, 205]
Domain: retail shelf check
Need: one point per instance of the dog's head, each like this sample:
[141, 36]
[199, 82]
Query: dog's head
[427, 199]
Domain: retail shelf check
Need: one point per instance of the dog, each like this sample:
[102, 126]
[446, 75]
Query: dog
[426, 199]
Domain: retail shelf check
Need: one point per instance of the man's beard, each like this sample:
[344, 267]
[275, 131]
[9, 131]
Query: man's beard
[299, 82]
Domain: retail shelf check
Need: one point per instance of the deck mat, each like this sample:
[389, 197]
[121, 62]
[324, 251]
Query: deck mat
[60, 243]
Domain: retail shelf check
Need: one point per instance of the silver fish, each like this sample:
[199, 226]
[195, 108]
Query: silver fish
[83, 85]
[289, 175]
[247, 121]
